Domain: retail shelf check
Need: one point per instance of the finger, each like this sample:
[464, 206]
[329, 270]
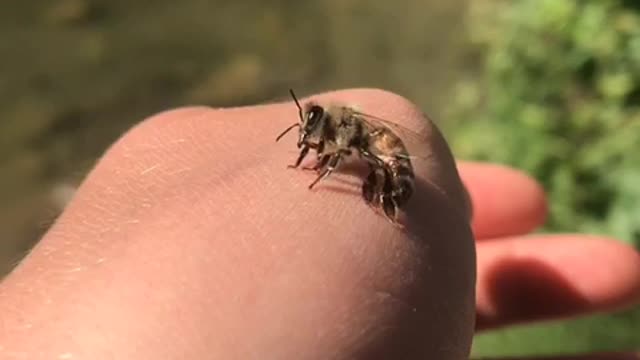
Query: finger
[193, 225]
[505, 201]
[549, 277]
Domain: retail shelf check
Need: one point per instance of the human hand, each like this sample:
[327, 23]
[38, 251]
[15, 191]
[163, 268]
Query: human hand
[191, 239]
[524, 277]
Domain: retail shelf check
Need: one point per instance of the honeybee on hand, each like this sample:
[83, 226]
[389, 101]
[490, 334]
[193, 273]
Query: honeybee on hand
[336, 131]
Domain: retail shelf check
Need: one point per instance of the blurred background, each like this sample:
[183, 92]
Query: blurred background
[548, 86]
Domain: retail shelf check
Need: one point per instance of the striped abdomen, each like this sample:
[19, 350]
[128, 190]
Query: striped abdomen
[390, 149]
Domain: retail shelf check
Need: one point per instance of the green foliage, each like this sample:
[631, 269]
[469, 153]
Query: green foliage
[559, 97]
[596, 334]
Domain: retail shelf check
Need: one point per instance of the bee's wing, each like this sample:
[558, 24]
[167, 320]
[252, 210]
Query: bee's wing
[414, 142]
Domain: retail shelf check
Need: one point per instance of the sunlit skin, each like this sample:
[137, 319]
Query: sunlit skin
[191, 239]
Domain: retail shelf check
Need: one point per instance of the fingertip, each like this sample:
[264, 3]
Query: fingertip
[554, 276]
[620, 280]
[505, 201]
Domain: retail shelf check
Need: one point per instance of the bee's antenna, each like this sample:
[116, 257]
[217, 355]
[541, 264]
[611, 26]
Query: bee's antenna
[293, 95]
[286, 131]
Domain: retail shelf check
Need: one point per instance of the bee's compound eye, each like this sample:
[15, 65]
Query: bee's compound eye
[314, 115]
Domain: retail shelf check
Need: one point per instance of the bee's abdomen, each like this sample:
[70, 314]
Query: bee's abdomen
[402, 167]
[403, 180]
[390, 150]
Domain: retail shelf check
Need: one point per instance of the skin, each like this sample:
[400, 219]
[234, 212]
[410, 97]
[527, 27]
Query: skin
[191, 239]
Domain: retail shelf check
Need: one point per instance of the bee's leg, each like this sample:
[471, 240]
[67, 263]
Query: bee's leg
[334, 160]
[372, 158]
[320, 150]
[322, 161]
[369, 190]
[387, 200]
[402, 193]
[303, 154]
[389, 207]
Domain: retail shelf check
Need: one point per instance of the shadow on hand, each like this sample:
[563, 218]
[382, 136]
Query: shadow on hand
[523, 290]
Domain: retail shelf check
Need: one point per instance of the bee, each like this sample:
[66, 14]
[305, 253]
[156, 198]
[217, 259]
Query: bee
[335, 132]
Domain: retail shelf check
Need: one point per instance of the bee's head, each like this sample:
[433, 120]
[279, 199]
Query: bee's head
[311, 119]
